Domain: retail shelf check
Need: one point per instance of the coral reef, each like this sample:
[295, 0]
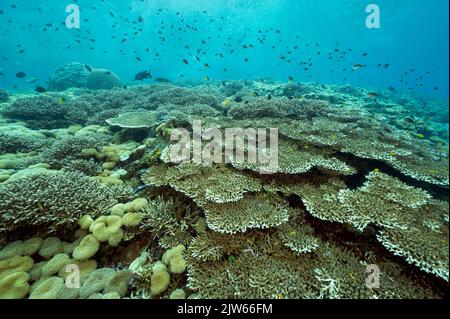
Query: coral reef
[360, 186]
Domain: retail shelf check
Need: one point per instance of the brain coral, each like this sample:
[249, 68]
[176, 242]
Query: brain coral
[55, 198]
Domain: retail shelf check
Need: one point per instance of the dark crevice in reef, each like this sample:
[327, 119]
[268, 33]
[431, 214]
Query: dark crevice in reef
[38, 230]
[364, 243]
[364, 166]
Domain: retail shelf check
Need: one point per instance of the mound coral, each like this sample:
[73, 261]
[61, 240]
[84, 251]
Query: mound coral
[15, 264]
[50, 247]
[160, 278]
[55, 264]
[14, 286]
[174, 259]
[87, 248]
[21, 248]
[48, 288]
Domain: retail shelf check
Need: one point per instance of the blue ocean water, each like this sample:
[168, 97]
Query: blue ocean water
[238, 39]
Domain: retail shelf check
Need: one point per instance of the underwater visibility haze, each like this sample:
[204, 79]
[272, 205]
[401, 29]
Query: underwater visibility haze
[224, 149]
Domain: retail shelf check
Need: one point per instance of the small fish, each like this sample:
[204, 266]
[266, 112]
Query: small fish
[206, 78]
[185, 62]
[226, 102]
[290, 78]
[87, 67]
[372, 94]
[206, 65]
[142, 75]
[21, 75]
[40, 89]
[357, 66]
[31, 80]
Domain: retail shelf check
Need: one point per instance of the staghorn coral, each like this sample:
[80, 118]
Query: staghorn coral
[14, 286]
[87, 167]
[70, 75]
[55, 198]
[213, 246]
